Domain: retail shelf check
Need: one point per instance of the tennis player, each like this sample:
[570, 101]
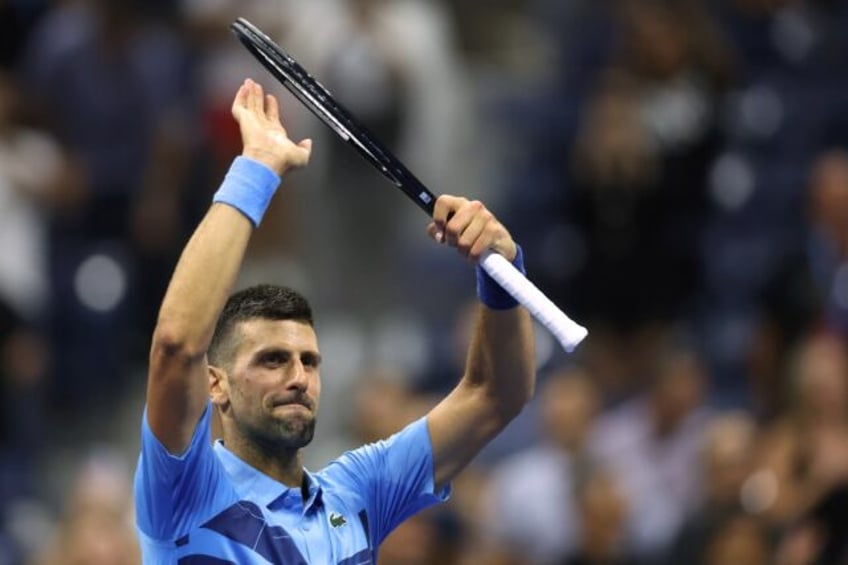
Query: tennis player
[254, 358]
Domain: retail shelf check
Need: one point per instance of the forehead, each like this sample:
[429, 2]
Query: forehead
[260, 333]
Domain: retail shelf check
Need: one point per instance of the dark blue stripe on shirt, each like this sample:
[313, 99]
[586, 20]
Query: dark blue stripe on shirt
[360, 558]
[203, 560]
[244, 523]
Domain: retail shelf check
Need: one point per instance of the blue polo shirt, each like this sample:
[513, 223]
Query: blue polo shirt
[208, 507]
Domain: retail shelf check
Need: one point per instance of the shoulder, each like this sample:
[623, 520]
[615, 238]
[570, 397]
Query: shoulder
[378, 458]
[174, 493]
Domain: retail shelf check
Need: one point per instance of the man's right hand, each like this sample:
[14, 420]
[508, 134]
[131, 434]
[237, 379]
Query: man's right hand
[263, 136]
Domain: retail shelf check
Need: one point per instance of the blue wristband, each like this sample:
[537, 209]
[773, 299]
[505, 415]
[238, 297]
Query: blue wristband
[491, 293]
[248, 187]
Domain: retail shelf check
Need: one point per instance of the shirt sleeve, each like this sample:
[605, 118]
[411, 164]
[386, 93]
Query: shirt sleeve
[395, 477]
[173, 493]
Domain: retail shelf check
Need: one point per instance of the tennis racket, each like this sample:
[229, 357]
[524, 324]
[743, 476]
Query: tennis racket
[321, 103]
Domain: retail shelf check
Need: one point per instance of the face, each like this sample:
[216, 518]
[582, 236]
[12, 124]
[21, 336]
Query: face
[678, 392]
[270, 395]
[569, 405]
[822, 387]
[829, 194]
[728, 456]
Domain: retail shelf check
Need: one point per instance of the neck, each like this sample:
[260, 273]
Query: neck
[281, 464]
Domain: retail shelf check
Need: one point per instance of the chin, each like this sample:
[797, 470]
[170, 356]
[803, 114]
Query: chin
[295, 432]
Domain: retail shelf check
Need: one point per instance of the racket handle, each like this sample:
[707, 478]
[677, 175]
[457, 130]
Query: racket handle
[564, 329]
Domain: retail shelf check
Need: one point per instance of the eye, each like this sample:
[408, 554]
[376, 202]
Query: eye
[310, 360]
[274, 358]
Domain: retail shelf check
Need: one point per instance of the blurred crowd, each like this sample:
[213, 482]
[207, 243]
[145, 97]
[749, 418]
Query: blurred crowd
[676, 171]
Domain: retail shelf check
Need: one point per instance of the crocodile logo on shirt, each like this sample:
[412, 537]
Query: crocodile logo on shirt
[337, 520]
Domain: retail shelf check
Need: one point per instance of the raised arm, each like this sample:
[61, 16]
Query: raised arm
[178, 382]
[500, 371]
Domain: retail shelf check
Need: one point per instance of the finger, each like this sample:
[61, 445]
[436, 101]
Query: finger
[462, 218]
[490, 233]
[471, 236]
[254, 100]
[495, 237]
[435, 232]
[300, 157]
[444, 207]
[272, 108]
[240, 100]
[260, 99]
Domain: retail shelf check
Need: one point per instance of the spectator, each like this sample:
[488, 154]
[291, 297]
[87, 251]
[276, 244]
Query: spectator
[96, 526]
[523, 526]
[113, 83]
[603, 519]
[30, 167]
[740, 539]
[828, 238]
[652, 444]
[637, 173]
[728, 458]
[33, 183]
[807, 292]
[805, 453]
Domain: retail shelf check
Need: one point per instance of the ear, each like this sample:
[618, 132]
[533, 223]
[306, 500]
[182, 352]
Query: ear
[219, 387]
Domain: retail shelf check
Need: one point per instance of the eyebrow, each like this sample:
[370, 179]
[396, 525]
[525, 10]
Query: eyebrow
[312, 356]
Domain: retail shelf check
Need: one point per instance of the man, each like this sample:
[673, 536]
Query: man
[248, 499]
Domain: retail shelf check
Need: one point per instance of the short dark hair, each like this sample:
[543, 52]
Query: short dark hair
[265, 301]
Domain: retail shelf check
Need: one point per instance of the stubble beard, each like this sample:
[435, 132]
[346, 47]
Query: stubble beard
[292, 433]
[274, 434]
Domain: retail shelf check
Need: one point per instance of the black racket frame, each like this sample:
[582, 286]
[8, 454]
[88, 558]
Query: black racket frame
[321, 102]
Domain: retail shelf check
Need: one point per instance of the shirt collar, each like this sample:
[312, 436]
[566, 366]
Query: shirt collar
[255, 485]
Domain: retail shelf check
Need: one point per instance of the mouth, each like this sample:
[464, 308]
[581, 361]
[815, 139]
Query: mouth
[291, 405]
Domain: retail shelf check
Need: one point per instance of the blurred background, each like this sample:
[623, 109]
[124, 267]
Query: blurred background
[676, 171]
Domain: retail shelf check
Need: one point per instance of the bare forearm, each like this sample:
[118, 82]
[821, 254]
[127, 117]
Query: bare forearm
[499, 380]
[203, 279]
[501, 359]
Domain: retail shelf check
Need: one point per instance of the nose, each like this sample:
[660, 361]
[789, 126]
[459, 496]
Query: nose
[298, 378]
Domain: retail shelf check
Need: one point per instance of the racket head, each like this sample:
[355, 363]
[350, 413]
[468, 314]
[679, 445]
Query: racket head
[287, 71]
[324, 106]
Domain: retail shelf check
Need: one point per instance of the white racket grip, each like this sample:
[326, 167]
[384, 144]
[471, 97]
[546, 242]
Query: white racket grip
[568, 332]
